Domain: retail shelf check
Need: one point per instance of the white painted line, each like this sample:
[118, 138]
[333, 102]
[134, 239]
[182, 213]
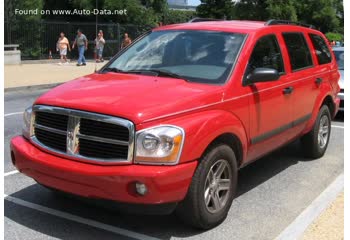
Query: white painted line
[79, 219]
[337, 126]
[11, 173]
[11, 114]
[296, 229]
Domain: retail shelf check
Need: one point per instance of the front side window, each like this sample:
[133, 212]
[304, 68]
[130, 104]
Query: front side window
[266, 54]
[196, 56]
[299, 53]
[322, 51]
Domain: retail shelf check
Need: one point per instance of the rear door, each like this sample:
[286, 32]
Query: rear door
[304, 78]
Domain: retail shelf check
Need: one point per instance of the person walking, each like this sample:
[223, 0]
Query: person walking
[99, 45]
[62, 46]
[126, 41]
[82, 43]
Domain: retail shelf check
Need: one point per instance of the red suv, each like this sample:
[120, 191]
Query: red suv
[170, 120]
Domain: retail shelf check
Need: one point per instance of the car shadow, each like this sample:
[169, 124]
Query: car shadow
[339, 117]
[163, 227]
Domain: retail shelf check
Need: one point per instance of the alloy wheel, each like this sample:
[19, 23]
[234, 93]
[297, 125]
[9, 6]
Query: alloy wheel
[323, 131]
[217, 186]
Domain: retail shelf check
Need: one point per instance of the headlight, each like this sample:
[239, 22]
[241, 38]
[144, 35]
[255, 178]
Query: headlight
[159, 145]
[27, 129]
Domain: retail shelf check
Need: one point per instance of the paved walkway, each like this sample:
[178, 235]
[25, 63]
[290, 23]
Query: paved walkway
[330, 224]
[45, 73]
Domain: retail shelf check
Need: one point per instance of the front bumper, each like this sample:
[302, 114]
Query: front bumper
[166, 184]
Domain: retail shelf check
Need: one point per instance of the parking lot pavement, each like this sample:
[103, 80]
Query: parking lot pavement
[272, 192]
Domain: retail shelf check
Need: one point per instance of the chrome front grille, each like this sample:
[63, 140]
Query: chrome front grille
[83, 135]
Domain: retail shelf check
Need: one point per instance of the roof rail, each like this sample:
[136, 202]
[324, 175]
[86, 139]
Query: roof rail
[197, 19]
[288, 22]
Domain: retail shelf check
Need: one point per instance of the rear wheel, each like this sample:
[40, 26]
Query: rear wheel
[212, 189]
[315, 142]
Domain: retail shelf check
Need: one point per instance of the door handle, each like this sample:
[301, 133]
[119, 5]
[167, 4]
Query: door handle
[318, 81]
[288, 90]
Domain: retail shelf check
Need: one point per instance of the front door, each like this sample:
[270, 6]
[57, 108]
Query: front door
[269, 103]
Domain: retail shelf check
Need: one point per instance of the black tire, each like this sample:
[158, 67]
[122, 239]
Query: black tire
[312, 148]
[193, 210]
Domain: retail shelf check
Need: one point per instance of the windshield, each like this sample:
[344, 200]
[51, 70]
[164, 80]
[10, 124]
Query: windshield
[339, 56]
[196, 56]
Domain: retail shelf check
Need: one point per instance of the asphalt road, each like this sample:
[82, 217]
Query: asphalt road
[272, 192]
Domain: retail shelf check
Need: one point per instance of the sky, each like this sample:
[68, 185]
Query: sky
[194, 2]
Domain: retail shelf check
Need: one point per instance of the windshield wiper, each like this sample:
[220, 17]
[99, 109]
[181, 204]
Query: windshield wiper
[158, 72]
[113, 69]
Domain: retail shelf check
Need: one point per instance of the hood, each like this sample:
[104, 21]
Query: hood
[138, 98]
[341, 80]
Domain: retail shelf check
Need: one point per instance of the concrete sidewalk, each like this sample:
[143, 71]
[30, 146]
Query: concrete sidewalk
[31, 75]
[330, 224]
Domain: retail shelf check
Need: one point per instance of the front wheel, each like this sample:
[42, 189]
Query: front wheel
[212, 189]
[315, 142]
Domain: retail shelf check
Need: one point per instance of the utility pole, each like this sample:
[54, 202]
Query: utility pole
[96, 17]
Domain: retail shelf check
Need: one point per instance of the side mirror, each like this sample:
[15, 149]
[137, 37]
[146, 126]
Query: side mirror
[261, 75]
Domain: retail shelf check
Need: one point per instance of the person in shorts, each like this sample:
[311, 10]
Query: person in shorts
[62, 47]
[99, 43]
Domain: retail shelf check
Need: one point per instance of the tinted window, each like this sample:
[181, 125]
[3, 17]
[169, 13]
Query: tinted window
[266, 54]
[321, 48]
[198, 56]
[299, 53]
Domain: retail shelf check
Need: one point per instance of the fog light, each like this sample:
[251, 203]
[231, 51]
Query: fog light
[141, 188]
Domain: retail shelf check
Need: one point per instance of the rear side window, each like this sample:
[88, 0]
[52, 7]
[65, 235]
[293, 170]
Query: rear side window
[299, 53]
[266, 54]
[321, 48]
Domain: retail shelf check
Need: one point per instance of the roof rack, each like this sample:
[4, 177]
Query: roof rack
[287, 22]
[197, 19]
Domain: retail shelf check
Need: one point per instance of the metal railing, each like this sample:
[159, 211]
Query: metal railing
[37, 38]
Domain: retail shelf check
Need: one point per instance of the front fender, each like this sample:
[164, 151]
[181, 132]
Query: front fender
[203, 128]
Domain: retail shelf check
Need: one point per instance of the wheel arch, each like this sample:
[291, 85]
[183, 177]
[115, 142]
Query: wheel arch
[325, 99]
[328, 100]
[230, 140]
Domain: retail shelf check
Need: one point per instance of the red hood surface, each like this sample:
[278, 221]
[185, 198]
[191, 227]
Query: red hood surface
[138, 98]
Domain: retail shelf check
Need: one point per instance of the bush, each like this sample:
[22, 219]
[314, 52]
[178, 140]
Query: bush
[334, 36]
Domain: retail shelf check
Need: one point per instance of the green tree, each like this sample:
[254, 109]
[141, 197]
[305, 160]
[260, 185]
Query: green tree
[320, 13]
[26, 25]
[219, 9]
[136, 12]
[178, 16]
[252, 10]
[12, 5]
[282, 9]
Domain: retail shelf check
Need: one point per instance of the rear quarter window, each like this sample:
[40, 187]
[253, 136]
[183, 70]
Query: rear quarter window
[298, 50]
[322, 51]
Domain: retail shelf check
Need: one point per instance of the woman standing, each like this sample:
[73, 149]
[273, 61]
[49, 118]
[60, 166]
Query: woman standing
[62, 46]
[100, 43]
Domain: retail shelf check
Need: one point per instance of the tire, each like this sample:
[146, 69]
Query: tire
[313, 145]
[193, 210]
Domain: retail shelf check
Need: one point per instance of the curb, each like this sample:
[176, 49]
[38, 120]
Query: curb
[297, 228]
[56, 60]
[33, 87]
